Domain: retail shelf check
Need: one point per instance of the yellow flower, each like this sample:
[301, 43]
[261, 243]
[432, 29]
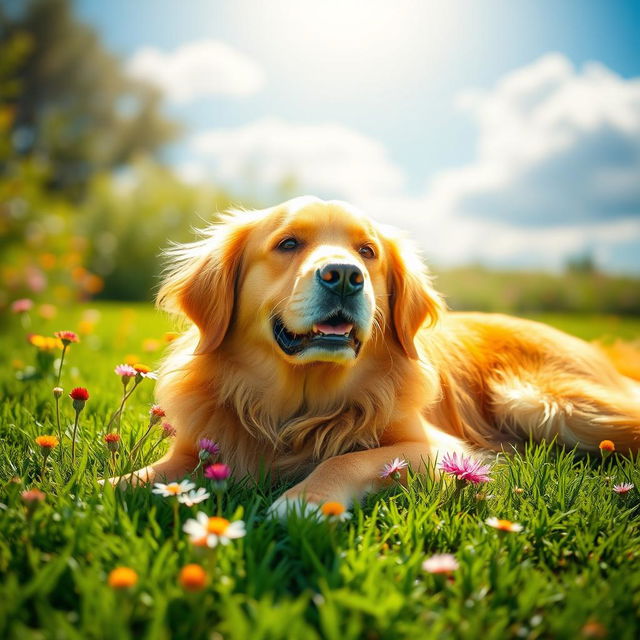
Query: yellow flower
[122, 578]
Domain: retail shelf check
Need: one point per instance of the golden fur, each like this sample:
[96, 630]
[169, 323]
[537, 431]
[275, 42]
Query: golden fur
[426, 380]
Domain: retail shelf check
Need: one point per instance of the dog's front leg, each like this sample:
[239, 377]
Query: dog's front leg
[348, 477]
[175, 465]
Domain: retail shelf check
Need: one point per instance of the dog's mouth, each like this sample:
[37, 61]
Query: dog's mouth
[333, 333]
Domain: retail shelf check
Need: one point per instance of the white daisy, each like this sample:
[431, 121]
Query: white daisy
[206, 531]
[173, 488]
[440, 563]
[193, 497]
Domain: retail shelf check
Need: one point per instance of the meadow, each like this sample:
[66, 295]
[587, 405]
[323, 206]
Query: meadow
[572, 571]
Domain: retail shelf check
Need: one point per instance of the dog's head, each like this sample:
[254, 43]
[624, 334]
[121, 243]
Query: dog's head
[315, 281]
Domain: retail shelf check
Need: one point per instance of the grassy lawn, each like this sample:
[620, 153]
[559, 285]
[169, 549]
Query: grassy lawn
[573, 571]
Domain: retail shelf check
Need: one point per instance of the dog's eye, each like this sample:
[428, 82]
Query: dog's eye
[288, 244]
[367, 251]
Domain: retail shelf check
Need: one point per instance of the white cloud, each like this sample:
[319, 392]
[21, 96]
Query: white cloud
[328, 160]
[197, 69]
[556, 146]
[557, 171]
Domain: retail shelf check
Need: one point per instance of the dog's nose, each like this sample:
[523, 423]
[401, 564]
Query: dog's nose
[342, 279]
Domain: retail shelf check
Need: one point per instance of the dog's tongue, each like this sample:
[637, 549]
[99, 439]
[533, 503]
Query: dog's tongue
[333, 329]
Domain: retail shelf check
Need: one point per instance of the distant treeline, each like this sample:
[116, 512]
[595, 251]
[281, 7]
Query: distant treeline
[522, 292]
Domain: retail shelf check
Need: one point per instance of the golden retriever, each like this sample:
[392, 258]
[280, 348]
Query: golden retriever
[320, 347]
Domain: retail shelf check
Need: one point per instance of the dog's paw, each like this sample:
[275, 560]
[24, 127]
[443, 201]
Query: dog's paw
[285, 506]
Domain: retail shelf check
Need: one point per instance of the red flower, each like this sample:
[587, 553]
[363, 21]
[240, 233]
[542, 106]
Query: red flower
[156, 410]
[217, 472]
[79, 393]
[67, 337]
[112, 437]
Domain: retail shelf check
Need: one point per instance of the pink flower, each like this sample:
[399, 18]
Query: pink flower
[392, 468]
[67, 337]
[218, 472]
[625, 487]
[22, 305]
[125, 371]
[440, 563]
[466, 469]
[168, 431]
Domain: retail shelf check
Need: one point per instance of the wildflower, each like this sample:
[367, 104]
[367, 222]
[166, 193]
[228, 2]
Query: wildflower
[218, 472]
[125, 371]
[122, 578]
[209, 531]
[335, 510]
[47, 443]
[170, 336]
[208, 449]
[465, 469]
[142, 371]
[393, 468]
[44, 343]
[504, 525]
[593, 629]
[168, 431]
[172, 488]
[192, 577]
[32, 499]
[624, 487]
[79, 395]
[607, 445]
[156, 413]
[440, 563]
[112, 441]
[23, 305]
[67, 337]
[57, 392]
[193, 497]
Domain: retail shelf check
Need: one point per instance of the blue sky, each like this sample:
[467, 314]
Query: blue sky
[415, 110]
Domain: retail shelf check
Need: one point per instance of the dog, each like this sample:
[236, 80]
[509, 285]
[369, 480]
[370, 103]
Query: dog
[319, 349]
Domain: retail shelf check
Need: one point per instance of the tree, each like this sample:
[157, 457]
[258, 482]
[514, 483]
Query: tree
[66, 100]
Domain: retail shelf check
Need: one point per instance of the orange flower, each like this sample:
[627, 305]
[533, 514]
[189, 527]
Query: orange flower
[593, 629]
[122, 578]
[47, 443]
[607, 445]
[141, 368]
[170, 336]
[504, 525]
[32, 497]
[193, 577]
[335, 510]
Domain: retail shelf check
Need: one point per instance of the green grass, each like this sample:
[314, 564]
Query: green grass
[577, 561]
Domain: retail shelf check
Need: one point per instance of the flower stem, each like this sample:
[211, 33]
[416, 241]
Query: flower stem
[64, 351]
[73, 439]
[138, 444]
[176, 520]
[59, 428]
[120, 409]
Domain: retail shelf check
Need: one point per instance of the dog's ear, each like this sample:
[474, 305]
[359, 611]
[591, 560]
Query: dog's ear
[413, 300]
[202, 280]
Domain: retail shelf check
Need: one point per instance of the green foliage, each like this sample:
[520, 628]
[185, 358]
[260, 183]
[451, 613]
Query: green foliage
[522, 292]
[67, 101]
[576, 562]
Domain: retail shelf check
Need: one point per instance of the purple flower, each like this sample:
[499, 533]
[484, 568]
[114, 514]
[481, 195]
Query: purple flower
[466, 469]
[208, 447]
